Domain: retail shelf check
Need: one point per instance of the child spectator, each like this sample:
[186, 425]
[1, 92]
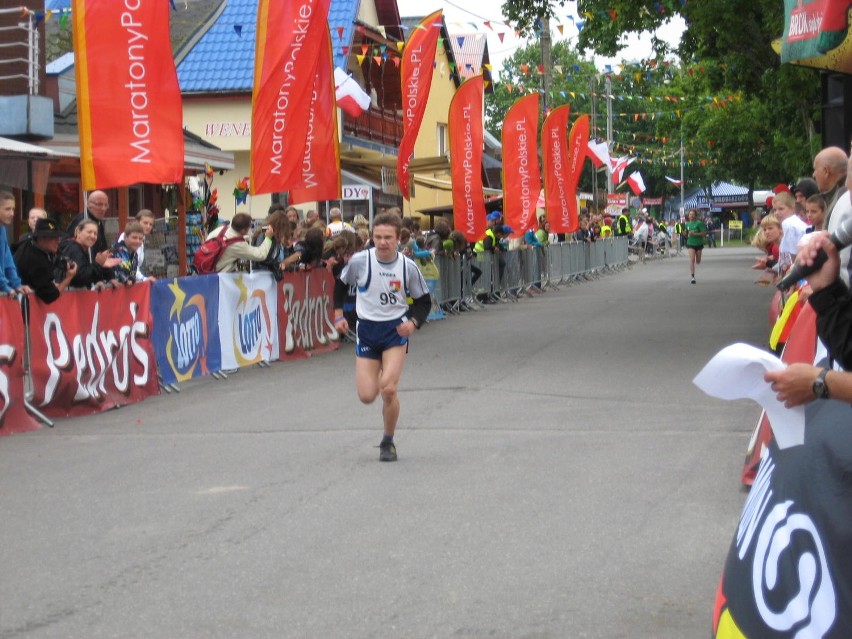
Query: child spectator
[126, 271]
[815, 209]
[768, 239]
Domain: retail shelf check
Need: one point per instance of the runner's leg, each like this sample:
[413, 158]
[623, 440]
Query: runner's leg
[367, 375]
[393, 359]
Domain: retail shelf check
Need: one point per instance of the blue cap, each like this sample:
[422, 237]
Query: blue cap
[494, 215]
[507, 230]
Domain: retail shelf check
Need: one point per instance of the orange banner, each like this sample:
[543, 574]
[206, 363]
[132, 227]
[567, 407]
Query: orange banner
[466, 142]
[291, 40]
[321, 163]
[578, 149]
[554, 147]
[521, 175]
[418, 59]
[129, 109]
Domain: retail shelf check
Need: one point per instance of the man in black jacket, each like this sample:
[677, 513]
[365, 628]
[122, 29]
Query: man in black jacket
[38, 265]
[97, 204]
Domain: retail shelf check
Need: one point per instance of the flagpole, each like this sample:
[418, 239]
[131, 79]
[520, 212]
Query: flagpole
[609, 184]
[681, 169]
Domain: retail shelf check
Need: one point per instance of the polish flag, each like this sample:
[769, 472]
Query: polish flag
[599, 153]
[618, 167]
[349, 94]
[636, 183]
[675, 182]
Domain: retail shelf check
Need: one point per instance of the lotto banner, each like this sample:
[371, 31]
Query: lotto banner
[306, 314]
[128, 100]
[466, 142]
[292, 39]
[92, 351]
[186, 327]
[14, 417]
[418, 60]
[554, 151]
[521, 175]
[321, 164]
[248, 326]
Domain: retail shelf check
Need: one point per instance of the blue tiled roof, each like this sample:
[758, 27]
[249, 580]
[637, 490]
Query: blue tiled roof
[223, 58]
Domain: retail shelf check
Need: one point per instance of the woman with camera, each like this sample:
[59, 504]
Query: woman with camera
[94, 270]
[281, 255]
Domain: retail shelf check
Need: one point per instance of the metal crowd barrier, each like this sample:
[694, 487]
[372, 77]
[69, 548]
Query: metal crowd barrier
[507, 276]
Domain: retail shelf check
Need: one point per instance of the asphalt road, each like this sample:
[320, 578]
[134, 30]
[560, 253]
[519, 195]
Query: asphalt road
[559, 477]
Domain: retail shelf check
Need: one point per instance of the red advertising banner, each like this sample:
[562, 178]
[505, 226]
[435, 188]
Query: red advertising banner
[521, 175]
[578, 149]
[306, 314]
[14, 417]
[321, 164]
[418, 59]
[92, 351]
[466, 143]
[128, 99]
[291, 40]
[554, 147]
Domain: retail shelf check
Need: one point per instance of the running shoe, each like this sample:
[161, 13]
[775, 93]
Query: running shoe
[387, 452]
[693, 279]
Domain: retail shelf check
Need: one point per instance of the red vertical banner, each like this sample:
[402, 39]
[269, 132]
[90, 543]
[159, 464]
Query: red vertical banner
[291, 41]
[521, 175]
[418, 60]
[321, 162]
[129, 108]
[14, 417]
[554, 160]
[466, 142]
[578, 149]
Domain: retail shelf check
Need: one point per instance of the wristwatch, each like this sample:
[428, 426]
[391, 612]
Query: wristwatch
[820, 388]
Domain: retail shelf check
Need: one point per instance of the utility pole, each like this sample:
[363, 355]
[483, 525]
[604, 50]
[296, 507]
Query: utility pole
[593, 88]
[546, 63]
[681, 170]
[609, 185]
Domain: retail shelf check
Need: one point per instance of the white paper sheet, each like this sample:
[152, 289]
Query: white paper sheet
[736, 372]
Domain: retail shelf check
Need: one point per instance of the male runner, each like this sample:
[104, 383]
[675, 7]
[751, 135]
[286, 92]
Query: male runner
[385, 278]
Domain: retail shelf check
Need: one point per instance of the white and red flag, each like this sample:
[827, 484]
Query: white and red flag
[636, 183]
[675, 182]
[617, 167]
[599, 153]
[351, 98]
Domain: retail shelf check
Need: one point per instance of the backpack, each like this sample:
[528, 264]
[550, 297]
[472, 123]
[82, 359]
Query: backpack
[207, 256]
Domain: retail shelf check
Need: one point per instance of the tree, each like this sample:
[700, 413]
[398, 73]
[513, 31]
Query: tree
[760, 127]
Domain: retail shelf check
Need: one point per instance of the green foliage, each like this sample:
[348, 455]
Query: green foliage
[742, 116]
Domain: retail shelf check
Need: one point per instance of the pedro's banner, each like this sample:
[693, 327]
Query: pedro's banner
[291, 41]
[521, 175]
[14, 417]
[306, 314]
[418, 59]
[466, 142]
[128, 99]
[92, 351]
[321, 163]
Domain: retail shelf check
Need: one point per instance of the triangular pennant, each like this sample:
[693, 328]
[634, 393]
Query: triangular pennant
[340, 33]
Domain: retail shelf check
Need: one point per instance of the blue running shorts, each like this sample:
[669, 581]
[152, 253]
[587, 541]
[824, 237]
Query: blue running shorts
[374, 338]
